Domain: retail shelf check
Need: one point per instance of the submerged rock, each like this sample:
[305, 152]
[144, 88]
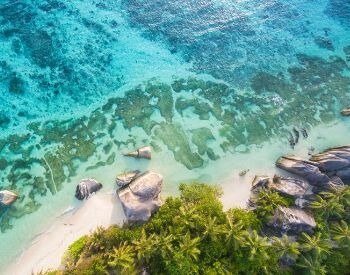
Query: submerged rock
[7, 197]
[144, 152]
[127, 177]
[141, 198]
[293, 220]
[243, 172]
[86, 187]
[346, 112]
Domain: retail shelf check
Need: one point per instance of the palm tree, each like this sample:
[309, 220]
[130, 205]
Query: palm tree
[341, 234]
[234, 234]
[267, 201]
[256, 246]
[211, 228]
[286, 247]
[145, 246]
[187, 218]
[122, 259]
[97, 240]
[327, 204]
[165, 244]
[316, 244]
[189, 247]
[262, 258]
[312, 265]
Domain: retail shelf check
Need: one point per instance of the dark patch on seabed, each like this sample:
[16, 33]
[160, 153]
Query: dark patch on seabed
[53, 57]
[234, 40]
[339, 10]
[309, 94]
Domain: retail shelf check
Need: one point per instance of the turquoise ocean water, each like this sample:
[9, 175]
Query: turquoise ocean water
[214, 86]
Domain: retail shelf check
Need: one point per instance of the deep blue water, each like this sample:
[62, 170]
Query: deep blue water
[198, 80]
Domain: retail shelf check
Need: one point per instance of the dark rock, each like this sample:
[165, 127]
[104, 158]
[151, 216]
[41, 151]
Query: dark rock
[324, 43]
[302, 203]
[243, 172]
[86, 187]
[259, 182]
[296, 134]
[346, 112]
[332, 159]
[141, 198]
[144, 152]
[344, 174]
[125, 178]
[305, 169]
[290, 186]
[293, 220]
[284, 185]
[304, 133]
[7, 197]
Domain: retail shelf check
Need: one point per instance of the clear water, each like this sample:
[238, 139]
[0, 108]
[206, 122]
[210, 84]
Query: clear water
[214, 86]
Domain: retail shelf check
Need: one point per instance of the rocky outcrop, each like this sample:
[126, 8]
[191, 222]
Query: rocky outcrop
[306, 169]
[125, 178]
[328, 169]
[259, 182]
[141, 198]
[86, 187]
[292, 221]
[144, 152]
[7, 197]
[290, 186]
[287, 186]
[346, 112]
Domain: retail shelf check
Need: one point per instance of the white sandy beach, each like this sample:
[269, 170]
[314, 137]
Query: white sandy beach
[45, 251]
[102, 209]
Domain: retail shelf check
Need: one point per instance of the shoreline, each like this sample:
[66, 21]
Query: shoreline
[104, 208]
[46, 249]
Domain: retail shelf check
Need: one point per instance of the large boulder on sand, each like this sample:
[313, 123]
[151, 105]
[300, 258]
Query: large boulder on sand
[141, 198]
[292, 221]
[7, 197]
[86, 187]
[288, 186]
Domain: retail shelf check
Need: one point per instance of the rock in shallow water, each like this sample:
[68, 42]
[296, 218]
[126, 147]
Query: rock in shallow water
[144, 152]
[345, 112]
[141, 198]
[86, 187]
[293, 220]
[7, 197]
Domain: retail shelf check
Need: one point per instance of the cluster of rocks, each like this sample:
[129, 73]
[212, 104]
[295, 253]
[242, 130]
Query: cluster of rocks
[138, 192]
[323, 171]
[141, 197]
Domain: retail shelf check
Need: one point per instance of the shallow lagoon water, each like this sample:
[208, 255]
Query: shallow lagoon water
[214, 86]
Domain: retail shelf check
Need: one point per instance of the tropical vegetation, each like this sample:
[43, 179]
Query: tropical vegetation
[192, 234]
